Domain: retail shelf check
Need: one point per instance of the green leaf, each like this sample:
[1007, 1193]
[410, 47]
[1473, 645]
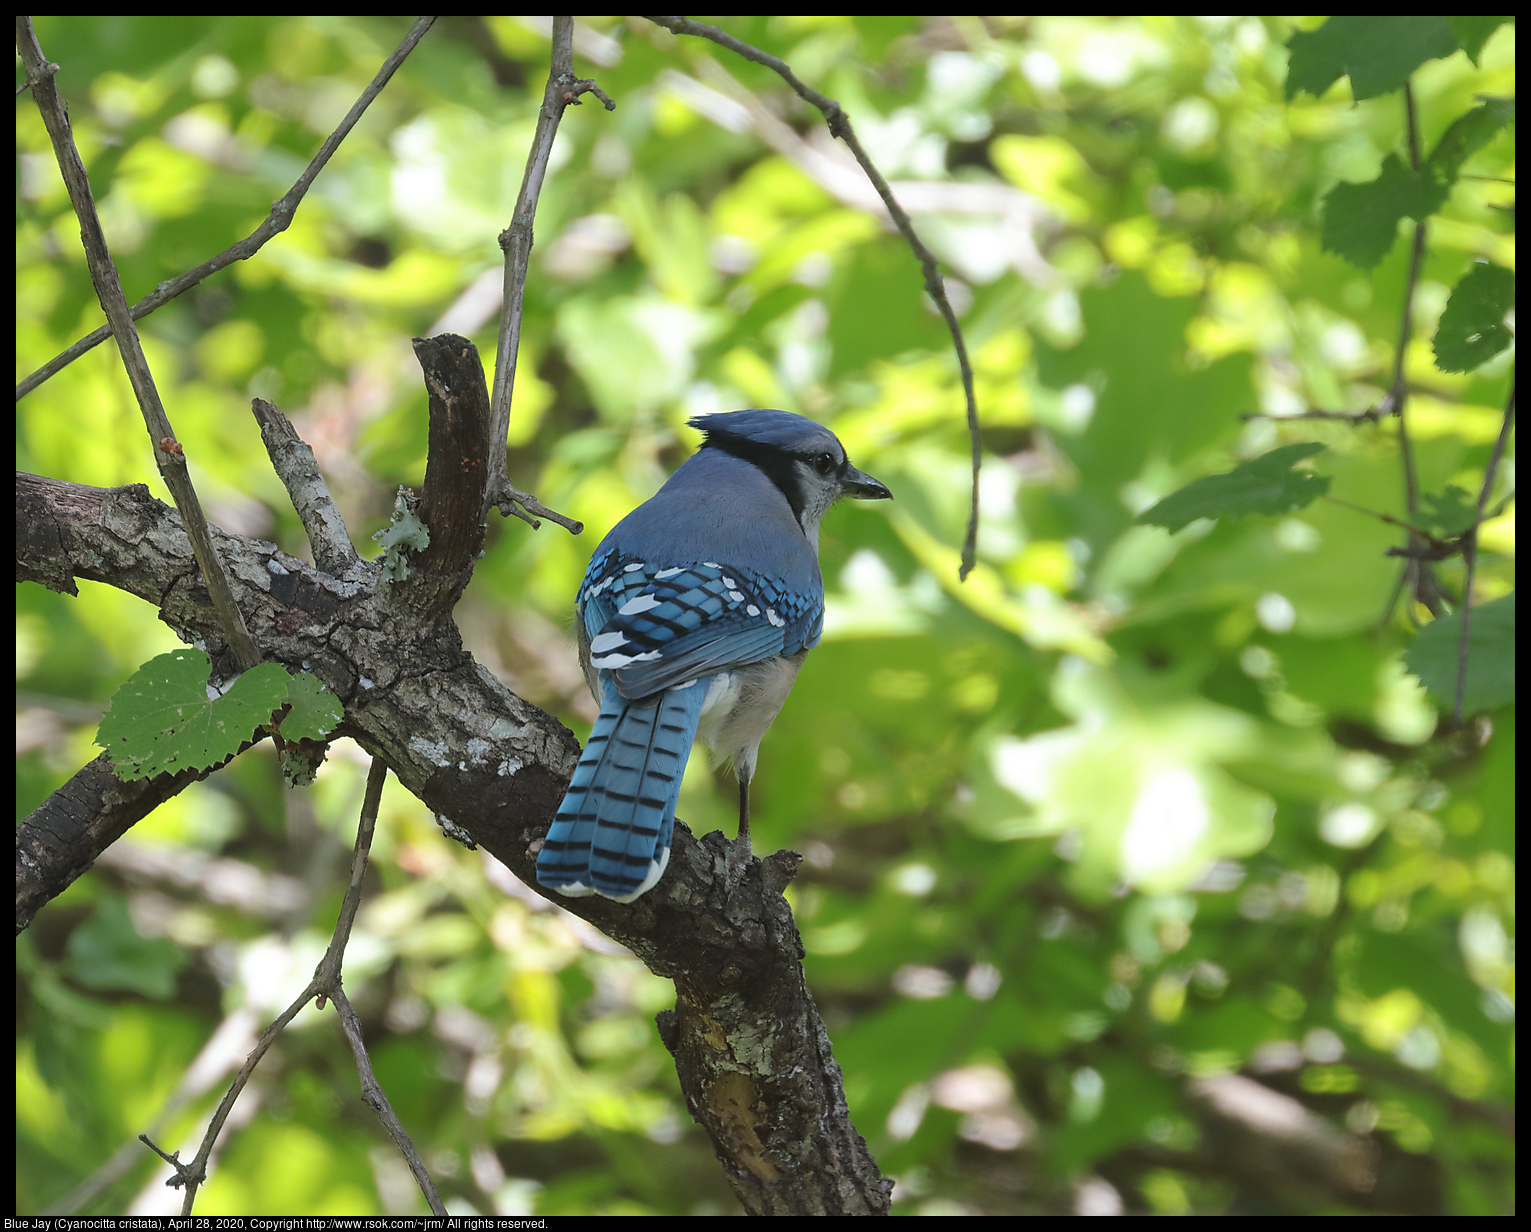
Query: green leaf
[106, 952]
[163, 719]
[1490, 656]
[1473, 32]
[314, 711]
[1361, 220]
[1377, 53]
[1472, 329]
[1467, 135]
[1450, 513]
[1267, 484]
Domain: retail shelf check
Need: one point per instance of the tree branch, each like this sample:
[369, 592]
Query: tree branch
[296, 466]
[168, 453]
[753, 1055]
[280, 218]
[563, 90]
[452, 733]
[325, 983]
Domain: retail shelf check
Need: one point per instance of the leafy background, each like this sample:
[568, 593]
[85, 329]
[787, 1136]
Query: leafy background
[1128, 809]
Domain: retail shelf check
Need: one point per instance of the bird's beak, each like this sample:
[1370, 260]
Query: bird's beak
[862, 486]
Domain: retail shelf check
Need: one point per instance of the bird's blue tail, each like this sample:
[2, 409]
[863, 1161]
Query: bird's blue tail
[612, 832]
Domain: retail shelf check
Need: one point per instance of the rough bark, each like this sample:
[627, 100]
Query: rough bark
[753, 1056]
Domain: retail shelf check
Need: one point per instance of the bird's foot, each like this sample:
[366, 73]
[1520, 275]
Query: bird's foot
[738, 860]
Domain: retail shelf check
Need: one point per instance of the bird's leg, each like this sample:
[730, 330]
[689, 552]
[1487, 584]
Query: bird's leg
[739, 851]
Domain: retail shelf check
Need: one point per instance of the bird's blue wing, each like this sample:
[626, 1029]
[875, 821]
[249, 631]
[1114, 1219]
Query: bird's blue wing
[653, 626]
[657, 635]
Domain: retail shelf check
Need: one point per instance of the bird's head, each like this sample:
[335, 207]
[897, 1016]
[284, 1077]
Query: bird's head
[804, 459]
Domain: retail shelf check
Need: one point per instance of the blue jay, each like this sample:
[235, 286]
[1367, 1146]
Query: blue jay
[694, 616]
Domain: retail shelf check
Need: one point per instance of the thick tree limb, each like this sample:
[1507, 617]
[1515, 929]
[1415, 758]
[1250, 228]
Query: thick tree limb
[753, 1056]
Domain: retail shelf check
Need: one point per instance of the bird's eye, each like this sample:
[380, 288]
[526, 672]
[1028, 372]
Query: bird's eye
[824, 463]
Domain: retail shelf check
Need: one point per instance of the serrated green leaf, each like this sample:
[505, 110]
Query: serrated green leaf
[1450, 513]
[1472, 329]
[263, 688]
[1467, 135]
[315, 710]
[1266, 484]
[1473, 32]
[1376, 53]
[1361, 220]
[106, 952]
[163, 721]
[1490, 657]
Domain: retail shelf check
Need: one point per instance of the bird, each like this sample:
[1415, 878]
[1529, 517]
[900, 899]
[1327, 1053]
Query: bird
[693, 618]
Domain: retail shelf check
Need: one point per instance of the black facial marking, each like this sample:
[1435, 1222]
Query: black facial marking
[780, 467]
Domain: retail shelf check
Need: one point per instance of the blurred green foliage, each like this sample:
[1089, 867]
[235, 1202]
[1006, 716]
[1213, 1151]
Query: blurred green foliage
[1128, 809]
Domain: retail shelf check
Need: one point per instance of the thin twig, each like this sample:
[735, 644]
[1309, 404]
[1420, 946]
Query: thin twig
[1440, 548]
[1370, 415]
[563, 90]
[1470, 554]
[325, 984]
[1421, 578]
[274, 224]
[193, 1174]
[372, 1094]
[168, 453]
[327, 973]
[840, 126]
[327, 977]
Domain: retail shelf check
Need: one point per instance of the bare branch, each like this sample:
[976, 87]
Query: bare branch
[296, 467]
[327, 973]
[563, 90]
[274, 224]
[456, 468]
[64, 835]
[840, 125]
[1439, 549]
[372, 1094]
[324, 984]
[168, 454]
[1370, 415]
[193, 1174]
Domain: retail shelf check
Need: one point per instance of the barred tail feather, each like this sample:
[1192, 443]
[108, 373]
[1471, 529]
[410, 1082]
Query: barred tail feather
[611, 835]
